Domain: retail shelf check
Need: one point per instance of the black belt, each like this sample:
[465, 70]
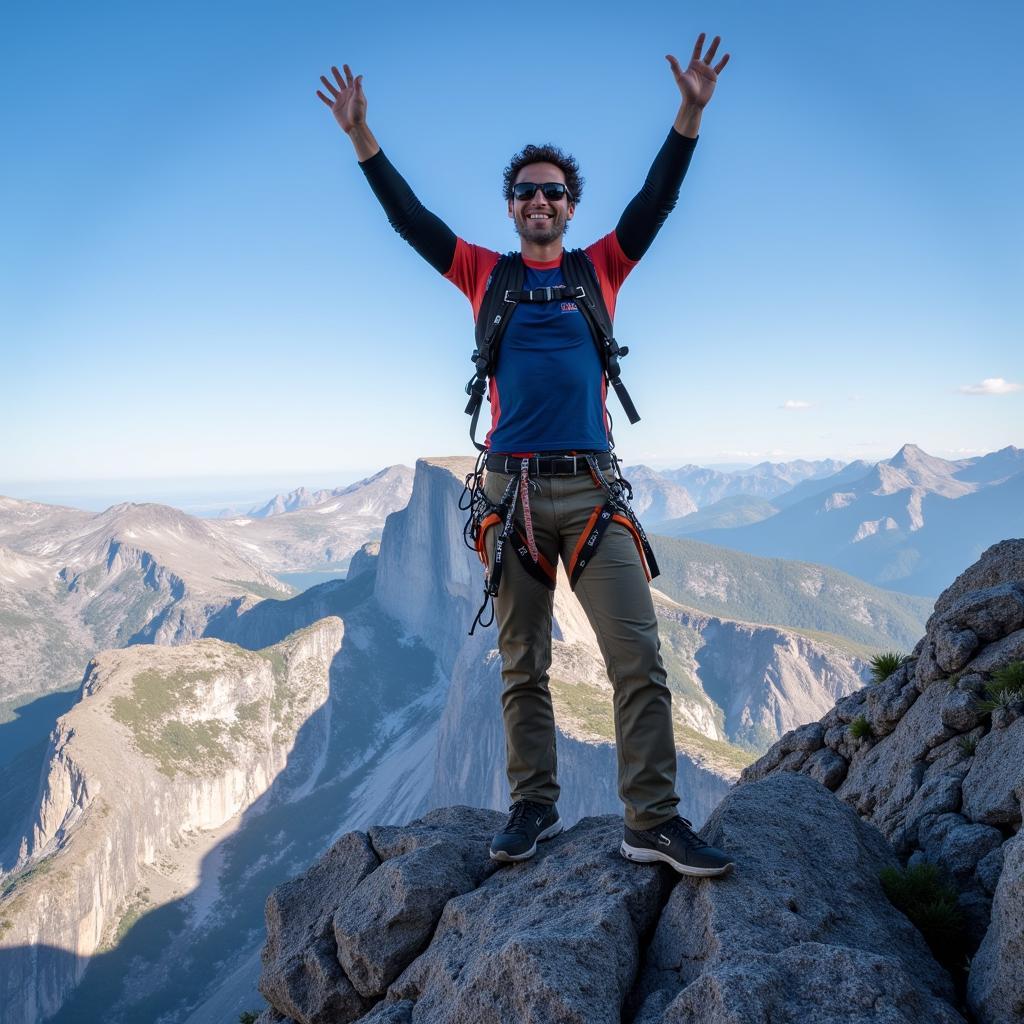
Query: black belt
[548, 465]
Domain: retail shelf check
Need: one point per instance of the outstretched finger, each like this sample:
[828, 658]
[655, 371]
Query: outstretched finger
[327, 85]
[721, 64]
[674, 64]
[348, 74]
[338, 77]
[697, 47]
[714, 46]
[329, 103]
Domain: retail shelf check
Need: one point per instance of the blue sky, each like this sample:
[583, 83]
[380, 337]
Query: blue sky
[195, 278]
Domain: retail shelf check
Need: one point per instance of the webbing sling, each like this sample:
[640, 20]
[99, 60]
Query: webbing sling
[503, 293]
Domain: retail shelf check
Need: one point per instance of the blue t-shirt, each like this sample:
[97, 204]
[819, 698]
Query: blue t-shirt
[548, 391]
[548, 382]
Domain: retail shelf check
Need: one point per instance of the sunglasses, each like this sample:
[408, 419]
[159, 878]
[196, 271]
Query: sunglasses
[553, 190]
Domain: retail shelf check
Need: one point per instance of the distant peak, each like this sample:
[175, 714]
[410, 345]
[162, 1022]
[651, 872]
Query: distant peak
[909, 455]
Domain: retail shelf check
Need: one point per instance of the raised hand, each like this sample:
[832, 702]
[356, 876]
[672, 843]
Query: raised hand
[697, 82]
[348, 101]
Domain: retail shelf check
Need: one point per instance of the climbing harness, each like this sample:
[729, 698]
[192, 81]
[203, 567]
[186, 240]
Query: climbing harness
[485, 514]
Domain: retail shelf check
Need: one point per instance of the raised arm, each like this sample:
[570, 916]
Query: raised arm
[646, 212]
[423, 230]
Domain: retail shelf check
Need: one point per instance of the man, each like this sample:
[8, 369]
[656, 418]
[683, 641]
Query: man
[547, 397]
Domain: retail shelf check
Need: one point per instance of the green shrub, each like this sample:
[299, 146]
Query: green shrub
[1009, 679]
[953, 680]
[860, 727]
[968, 744]
[248, 1016]
[931, 904]
[883, 665]
[1006, 687]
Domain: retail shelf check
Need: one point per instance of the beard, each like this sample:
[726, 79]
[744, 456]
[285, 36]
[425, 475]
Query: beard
[553, 230]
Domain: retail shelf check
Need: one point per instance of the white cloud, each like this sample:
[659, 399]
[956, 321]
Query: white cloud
[990, 386]
[795, 403]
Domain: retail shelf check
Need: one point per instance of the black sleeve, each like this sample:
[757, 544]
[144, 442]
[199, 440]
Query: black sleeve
[647, 210]
[425, 232]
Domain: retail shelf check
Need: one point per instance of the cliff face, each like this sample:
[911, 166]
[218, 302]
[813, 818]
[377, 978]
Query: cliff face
[934, 757]
[427, 579]
[164, 743]
[768, 680]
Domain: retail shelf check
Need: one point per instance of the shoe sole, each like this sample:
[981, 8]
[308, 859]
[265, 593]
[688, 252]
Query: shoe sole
[548, 833]
[644, 856]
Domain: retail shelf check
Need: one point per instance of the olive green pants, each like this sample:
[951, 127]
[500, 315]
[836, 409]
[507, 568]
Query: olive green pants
[616, 596]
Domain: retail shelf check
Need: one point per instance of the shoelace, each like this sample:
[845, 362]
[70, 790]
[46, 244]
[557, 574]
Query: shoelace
[520, 810]
[680, 827]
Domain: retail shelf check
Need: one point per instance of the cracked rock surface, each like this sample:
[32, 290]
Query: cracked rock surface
[800, 930]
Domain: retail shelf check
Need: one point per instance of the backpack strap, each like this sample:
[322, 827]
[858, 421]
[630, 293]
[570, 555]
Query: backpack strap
[579, 269]
[496, 309]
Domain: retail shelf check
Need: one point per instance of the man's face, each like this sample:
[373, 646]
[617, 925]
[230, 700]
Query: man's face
[540, 220]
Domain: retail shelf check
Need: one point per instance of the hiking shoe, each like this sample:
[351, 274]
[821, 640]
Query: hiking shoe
[675, 843]
[527, 823]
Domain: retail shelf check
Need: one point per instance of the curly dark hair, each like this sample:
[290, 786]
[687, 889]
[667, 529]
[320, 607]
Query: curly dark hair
[547, 154]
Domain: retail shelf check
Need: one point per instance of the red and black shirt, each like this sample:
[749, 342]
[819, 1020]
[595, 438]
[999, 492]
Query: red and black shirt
[547, 393]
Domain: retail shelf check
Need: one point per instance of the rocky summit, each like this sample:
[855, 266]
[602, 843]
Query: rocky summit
[417, 924]
[916, 776]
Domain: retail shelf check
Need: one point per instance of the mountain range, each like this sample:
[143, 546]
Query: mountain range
[906, 523]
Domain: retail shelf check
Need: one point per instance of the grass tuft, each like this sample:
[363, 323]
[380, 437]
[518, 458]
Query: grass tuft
[883, 665]
[968, 745]
[931, 904]
[860, 727]
[1005, 688]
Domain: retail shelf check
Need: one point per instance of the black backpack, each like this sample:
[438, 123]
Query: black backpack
[505, 291]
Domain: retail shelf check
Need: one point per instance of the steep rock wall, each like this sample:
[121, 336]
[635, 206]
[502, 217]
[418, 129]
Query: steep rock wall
[164, 742]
